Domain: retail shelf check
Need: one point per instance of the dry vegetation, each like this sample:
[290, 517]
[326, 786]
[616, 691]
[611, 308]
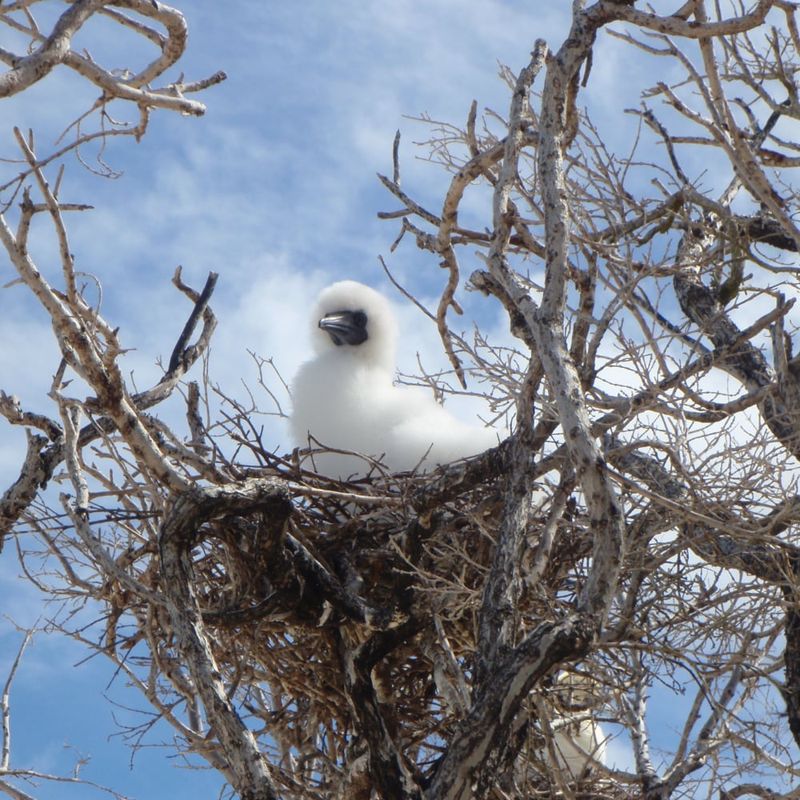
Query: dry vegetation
[402, 636]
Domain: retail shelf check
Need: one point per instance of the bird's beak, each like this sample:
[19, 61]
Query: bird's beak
[345, 327]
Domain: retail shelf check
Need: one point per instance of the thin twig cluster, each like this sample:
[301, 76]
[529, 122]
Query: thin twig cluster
[428, 635]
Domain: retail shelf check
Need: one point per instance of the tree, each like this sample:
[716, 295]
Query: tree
[426, 636]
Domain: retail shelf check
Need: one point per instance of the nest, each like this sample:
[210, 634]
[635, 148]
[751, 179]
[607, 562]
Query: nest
[387, 573]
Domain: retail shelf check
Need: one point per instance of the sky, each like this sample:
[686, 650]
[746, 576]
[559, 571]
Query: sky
[275, 189]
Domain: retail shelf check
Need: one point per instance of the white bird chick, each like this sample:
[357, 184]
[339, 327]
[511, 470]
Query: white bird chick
[578, 739]
[578, 742]
[345, 399]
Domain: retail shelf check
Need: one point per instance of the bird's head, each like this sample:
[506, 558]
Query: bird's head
[354, 320]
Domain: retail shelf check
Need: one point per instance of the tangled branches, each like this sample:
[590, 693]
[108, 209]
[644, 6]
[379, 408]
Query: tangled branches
[428, 636]
[47, 50]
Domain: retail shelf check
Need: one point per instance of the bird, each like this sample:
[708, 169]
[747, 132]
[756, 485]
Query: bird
[579, 742]
[345, 399]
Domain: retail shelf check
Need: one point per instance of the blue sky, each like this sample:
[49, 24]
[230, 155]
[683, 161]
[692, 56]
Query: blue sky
[275, 189]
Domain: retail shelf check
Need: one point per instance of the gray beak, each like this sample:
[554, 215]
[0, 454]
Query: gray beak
[345, 327]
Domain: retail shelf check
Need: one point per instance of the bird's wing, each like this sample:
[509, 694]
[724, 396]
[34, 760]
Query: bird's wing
[430, 432]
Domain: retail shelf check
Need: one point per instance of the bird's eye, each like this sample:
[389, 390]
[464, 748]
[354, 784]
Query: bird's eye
[359, 319]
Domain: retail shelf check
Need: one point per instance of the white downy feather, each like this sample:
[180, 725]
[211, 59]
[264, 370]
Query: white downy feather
[345, 397]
